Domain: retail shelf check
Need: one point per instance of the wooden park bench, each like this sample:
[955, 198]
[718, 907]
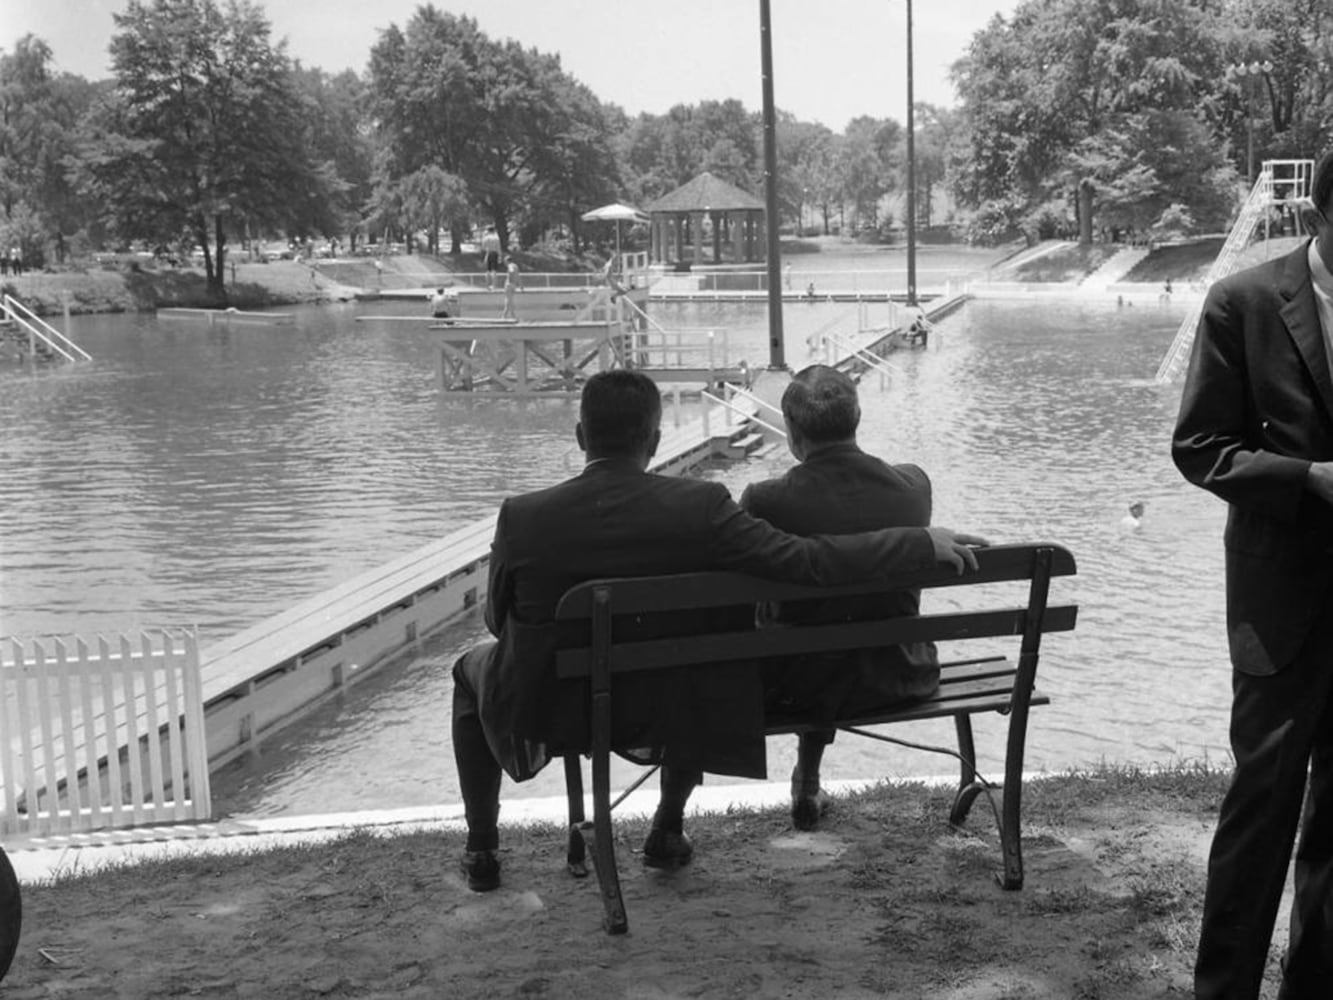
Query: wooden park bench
[987, 683]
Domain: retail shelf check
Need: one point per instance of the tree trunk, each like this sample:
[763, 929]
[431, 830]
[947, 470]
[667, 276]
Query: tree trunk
[217, 288]
[1085, 193]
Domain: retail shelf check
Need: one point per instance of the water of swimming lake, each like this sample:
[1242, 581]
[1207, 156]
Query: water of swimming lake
[213, 476]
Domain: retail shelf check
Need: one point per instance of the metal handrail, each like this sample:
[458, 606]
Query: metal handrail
[746, 394]
[862, 355]
[732, 407]
[43, 331]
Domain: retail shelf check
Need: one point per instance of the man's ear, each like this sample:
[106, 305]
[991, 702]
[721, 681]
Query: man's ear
[654, 441]
[794, 443]
[1310, 219]
[578, 436]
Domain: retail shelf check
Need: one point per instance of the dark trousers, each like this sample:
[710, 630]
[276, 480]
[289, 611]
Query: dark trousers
[478, 770]
[1281, 728]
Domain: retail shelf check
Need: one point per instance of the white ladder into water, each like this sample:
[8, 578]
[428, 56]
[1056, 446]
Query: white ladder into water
[1292, 185]
[40, 332]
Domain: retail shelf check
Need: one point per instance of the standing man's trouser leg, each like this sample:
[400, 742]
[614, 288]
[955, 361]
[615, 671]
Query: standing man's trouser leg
[1281, 724]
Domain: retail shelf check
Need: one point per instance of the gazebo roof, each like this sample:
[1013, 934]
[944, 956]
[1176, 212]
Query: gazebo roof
[705, 192]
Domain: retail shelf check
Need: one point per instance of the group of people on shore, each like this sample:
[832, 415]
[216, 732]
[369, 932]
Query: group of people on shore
[12, 262]
[1255, 428]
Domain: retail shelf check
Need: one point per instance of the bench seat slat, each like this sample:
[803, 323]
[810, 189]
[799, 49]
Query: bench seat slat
[656, 654]
[970, 703]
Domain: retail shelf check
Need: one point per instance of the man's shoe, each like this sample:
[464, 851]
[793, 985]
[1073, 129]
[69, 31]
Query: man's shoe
[806, 810]
[664, 849]
[481, 869]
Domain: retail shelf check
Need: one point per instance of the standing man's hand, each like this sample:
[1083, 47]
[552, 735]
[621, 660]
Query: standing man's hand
[1319, 480]
[954, 548]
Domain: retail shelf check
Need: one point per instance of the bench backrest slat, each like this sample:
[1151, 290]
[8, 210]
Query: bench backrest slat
[656, 654]
[634, 595]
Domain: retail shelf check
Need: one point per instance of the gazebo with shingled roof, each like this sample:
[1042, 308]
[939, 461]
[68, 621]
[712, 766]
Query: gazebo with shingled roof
[707, 221]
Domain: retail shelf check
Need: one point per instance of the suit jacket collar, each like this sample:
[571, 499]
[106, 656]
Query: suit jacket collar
[614, 466]
[1301, 316]
[833, 451]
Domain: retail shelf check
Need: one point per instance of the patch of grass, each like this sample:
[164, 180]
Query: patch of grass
[1067, 263]
[1184, 262]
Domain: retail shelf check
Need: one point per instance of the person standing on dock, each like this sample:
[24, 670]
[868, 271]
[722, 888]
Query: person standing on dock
[1255, 428]
[511, 715]
[513, 285]
[490, 253]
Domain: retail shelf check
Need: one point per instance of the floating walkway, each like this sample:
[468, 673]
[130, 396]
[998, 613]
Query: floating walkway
[214, 316]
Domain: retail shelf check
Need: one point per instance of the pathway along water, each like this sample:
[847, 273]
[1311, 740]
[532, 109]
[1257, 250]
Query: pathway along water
[195, 474]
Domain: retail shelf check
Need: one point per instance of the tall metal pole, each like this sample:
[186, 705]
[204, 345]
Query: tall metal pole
[776, 355]
[911, 170]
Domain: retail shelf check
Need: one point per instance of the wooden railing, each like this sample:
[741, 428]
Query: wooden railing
[107, 733]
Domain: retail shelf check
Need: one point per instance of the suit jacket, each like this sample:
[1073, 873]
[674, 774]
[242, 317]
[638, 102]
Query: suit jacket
[615, 520]
[1257, 409]
[841, 489]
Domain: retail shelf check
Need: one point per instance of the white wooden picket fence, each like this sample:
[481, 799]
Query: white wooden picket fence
[101, 733]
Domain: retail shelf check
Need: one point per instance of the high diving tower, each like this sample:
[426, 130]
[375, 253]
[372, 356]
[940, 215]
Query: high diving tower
[1280, 183]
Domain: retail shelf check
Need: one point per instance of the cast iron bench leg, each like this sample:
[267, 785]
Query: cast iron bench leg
[968, 786]
[575, 852]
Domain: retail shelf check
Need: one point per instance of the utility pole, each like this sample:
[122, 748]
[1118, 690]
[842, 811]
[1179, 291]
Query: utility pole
[776, 354]
[911, 171]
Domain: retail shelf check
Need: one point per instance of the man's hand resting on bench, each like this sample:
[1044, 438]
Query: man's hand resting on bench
[954, 548]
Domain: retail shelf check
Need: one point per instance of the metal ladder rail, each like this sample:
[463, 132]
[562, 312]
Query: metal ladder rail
[745, 414]
[41, 330]
[1237, 240]
[861, 354]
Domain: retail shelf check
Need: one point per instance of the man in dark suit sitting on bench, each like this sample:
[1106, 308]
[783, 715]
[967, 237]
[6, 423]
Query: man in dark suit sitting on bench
[837, 488]
[616, 519]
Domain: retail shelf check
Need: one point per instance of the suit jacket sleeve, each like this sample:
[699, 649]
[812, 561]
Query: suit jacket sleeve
[747, 544]
[1220, 435]
[500, 583]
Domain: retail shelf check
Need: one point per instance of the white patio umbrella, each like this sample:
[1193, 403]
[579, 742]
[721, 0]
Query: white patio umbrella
[617, 213]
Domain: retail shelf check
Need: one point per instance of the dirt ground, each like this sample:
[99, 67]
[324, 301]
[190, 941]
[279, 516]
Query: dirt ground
[885, 900]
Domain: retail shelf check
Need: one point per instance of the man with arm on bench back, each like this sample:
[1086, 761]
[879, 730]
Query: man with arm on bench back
[616, 519]
[836, 489]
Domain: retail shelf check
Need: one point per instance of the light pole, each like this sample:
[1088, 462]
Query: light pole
[911, 171]
[776, 351]
[1249, 74]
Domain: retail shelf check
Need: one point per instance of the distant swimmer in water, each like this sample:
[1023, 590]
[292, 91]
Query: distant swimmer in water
[1134, 519]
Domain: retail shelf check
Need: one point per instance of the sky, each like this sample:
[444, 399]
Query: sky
[832, 59]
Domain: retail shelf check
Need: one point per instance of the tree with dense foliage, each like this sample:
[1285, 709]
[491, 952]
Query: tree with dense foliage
[1070, 99]
[203, 137]
[39, 117]
[525, 138]
[866, 165]
[338, 141]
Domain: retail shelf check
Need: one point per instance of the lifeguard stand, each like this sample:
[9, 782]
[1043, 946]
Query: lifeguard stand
[1282, 184]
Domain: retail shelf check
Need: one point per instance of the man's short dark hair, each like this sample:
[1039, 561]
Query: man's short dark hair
[820, 403]
[1321, 187]
[620, 410]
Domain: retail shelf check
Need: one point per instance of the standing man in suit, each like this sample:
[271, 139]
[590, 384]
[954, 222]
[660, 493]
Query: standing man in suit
[1256, 429]
[616, 519]
[837, 489]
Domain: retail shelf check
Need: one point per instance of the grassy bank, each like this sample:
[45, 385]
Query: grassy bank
[883, 901]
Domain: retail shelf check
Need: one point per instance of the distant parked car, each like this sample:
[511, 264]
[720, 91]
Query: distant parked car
[275, 251]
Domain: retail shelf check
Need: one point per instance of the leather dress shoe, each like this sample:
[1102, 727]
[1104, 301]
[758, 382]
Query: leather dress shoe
[806, 809]
[481, 869]
[666, 849]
